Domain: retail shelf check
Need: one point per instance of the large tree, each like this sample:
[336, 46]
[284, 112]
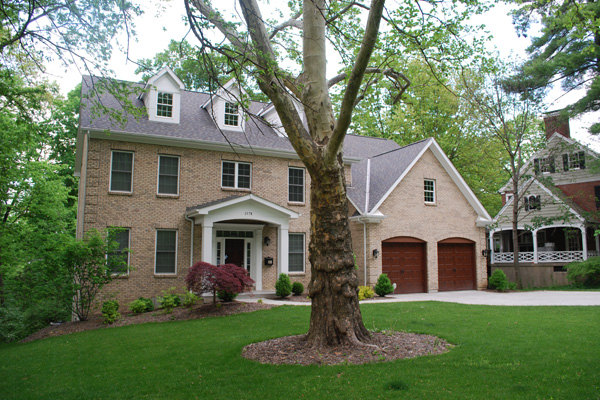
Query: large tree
[567, 50]
[315, 131]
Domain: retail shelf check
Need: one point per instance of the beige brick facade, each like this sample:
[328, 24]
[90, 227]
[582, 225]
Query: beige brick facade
[143, 211]
[406, 214]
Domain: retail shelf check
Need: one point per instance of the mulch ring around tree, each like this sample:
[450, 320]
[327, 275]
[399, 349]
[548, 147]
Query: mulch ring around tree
[178, 314]
[388, 346]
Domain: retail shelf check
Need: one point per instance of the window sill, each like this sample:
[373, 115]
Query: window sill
[114, 193]
[167, 196]
[165, 276]
[296, 203]
[120, 276]
[231, 189]
[430, 204]
[296, 273]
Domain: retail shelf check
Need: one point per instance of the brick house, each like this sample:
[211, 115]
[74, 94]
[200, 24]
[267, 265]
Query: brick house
[196, 178]
[558, 211]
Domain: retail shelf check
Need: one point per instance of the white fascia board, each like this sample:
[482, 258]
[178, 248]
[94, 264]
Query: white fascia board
[222, 92]
[374, 218]
[573, 142]
[249, 197]
[354, 204]
[406, 171]
[78, 152]
[158, 75]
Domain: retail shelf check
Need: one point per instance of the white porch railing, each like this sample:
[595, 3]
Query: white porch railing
[543, 256]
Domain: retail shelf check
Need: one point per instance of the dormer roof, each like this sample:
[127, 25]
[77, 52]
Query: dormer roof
[164, 71]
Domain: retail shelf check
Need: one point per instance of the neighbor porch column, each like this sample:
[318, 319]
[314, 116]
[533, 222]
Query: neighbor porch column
[283, 250]
[492, 250]
[207, 236]
[584, 241]
[535, 246]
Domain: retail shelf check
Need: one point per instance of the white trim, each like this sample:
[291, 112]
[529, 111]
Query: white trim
[128, 229]
[303, 185]
[156, 246]
[368, 186]
[425, 180]
[159, 74]
[158, 193]
[112, 151]
[208, 209]
[236, 175]
[483, 219]
[147, 138]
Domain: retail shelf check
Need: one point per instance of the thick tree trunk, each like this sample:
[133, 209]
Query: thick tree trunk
[515, 229]
[335, 316]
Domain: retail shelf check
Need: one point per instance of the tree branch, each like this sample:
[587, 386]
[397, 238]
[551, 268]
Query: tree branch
[293, 22]
[395, 76]
[355, 80]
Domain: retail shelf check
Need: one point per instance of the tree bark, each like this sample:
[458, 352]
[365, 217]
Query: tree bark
[335, 315]
[515, 229]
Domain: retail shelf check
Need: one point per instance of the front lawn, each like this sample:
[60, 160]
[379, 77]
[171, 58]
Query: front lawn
[500, 353]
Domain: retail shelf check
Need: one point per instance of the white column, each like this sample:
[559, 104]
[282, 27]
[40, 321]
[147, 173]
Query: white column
[535, 247]
[492, 247]
[584, 242]
[258, 259]
[207, 240]
[283, 250]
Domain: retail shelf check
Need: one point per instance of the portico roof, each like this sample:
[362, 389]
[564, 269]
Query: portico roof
[247, 200]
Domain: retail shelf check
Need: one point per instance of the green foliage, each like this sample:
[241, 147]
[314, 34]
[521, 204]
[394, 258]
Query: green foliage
[365, 292]
[498, 281]
[283, 286]
[585, 273]
[384, 285]
[169, 300]
[110, 311]
[566, 50]
[189, 299]
[141, 305]
[226, 296]
[297, 288]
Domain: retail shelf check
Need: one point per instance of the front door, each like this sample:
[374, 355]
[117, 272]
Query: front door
[234, 252]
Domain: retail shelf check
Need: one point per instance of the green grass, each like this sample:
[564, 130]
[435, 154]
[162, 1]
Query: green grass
[500, 353]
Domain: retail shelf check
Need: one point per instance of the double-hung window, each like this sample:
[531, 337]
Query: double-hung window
[164, 105]
[232, 116]
[544, 165]
[429, 191]
[118, 256]
[236, 175]
[166, 252]
[168, 175]
[296, 185]
[574, 161]
[121, 171]
[296, 252]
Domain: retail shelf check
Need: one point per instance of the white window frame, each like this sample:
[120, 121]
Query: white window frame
[158, 175]
[303, 186]
[111, 171]
[574, 158]
[122, 228]
[303, 253]
[425, 191]
[236, 175]
[230, 114]
[169, 106]
[176, 251]
[509, 197]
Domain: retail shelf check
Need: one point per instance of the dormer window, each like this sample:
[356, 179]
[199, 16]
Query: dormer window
[231, 114]
[164, 105]
[574, 161]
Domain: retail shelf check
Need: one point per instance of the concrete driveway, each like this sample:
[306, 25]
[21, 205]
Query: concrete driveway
[533, 298]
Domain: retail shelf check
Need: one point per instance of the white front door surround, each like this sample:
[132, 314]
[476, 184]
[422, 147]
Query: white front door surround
[251, 208]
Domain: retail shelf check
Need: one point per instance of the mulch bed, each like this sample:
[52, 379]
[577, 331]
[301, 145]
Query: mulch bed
[303, 298]
[178, 314]
[390, 345]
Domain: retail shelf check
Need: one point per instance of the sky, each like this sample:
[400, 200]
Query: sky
[163, 21]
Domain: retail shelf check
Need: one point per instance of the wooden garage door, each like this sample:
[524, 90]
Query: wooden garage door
[456, 266]
[404, 264]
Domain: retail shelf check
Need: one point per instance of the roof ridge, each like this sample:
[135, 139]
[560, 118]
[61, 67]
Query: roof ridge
[401, 148]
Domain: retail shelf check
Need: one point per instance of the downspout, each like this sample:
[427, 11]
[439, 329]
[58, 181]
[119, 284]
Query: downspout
[191, 239]
[367, 193]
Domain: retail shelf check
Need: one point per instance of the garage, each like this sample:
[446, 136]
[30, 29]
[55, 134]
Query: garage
[403, 260]
[456, 264]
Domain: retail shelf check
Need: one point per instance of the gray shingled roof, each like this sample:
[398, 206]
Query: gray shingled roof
[385, 169]
[388, 159]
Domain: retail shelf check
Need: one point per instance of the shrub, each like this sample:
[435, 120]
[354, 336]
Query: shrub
[585, 273]
[169, 300]
[297, 288]
[498, 281]
[226, 296]
[189, 299]
[283, 286]
[384, 285]
[365, 292]
[205, 277]
[141, 305]
[110, 311]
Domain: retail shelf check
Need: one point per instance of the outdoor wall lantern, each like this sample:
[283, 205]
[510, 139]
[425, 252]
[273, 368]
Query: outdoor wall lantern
[267, 241]
[375, 253]
[485, 252]
[268, 261]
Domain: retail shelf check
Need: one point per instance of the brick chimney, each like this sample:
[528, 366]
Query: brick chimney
[555, 121]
